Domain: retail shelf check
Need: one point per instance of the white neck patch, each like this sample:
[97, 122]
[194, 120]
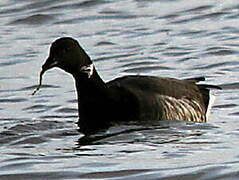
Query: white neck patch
[88, 69]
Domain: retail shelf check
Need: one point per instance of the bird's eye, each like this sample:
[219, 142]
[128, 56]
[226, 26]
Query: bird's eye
[66, 49]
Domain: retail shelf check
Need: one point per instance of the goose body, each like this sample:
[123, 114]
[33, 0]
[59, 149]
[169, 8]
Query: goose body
[126, 98]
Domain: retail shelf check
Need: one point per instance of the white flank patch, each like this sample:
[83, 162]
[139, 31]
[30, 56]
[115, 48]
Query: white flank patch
[211, 102]
[181, 109]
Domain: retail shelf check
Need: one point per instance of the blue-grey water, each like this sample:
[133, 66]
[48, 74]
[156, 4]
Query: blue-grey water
[176, 38]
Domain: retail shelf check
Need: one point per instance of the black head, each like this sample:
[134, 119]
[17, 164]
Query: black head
[67, 54]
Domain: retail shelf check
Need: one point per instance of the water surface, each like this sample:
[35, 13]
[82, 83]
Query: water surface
[38, 135]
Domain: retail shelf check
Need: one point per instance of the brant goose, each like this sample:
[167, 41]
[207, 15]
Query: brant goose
[126, 98]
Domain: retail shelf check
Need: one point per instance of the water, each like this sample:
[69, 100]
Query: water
[180, 38]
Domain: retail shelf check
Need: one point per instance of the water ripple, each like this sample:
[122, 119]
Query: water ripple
[39, 108]
[34, 19]
[12, 100]
[214, 15]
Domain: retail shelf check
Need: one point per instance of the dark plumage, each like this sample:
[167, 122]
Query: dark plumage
[129, 97]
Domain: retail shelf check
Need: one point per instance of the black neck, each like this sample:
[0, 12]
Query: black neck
[92, 99]
[89, 86]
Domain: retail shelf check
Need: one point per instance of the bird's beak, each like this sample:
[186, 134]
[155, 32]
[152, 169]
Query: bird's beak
[50, 63]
